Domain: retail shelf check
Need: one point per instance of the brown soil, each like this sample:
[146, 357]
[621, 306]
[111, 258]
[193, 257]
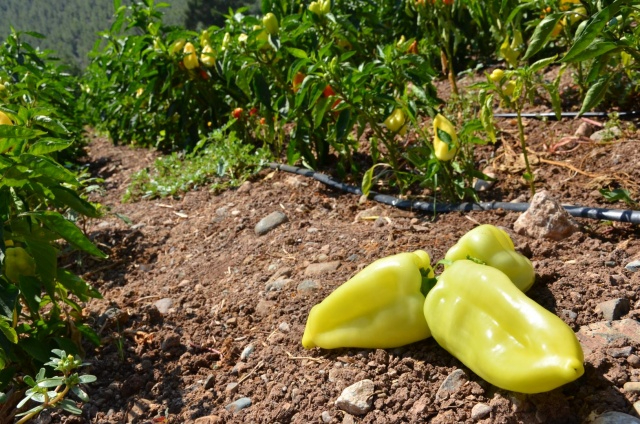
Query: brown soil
[201, 251]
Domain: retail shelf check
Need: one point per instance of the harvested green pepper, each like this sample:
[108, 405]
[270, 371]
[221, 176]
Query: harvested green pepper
[494, 247]
[380, 307]
[479, 316]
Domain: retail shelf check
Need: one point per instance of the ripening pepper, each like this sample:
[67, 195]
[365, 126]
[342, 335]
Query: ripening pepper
[396, 122]
[445, 141]
[494, 247]
[270, 23]
[479, 316]
[17, 262]
[191, 58]
[4, 119]
[497, 75]
[177, 47]
[225, 41]
[380, 307]
[206, 57]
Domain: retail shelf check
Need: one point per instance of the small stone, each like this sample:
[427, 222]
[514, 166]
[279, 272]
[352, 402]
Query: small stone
[231, 322]
[246, 352]
[270, 222]
[164, 305]
[357, 399]
[451, 384]
[231, 387]
[480, 411]
[599, 335]
[606, 134]
[545, 218]
[620, 352]
[209, 419]
[321, 268]
[614, 309]
[634, 360]
[569, 315]
[616, 279]
[633, 266]
[308, 286]
[584, 130]
[614, 417]
[245, 187]
[636, 407]
[238, 405]
[264, 308]
[209, 382]
[326, 417]
[632, 386]
[284, 327]
[277, 285]
[170, 341]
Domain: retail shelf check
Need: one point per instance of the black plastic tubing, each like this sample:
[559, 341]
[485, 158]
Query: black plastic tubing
[576, 211]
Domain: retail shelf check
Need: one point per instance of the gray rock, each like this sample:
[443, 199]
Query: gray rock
[480, 411]
[264, 308]
[614, 309]
[451, 384]
[170, 341]
[484, 185]
[620, 352]
[633, 266]
[326, 417]
[277, 285]
[613, 417]
[308, 286]
[238, 405]
[357, 399]
[600, 335]
[164, 305]
[545, 218]
[209, 382]
[231, 387]
[270, 222]
[284, 327]
[321, 268]
[606, 134]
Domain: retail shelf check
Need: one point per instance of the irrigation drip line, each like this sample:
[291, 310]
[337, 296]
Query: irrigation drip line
[576, 211]
[551, 115]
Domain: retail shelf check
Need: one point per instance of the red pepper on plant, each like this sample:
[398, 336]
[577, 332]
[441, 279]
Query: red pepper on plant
[237, 113]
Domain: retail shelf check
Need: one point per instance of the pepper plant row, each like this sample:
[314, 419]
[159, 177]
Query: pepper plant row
[309, 80]
[41, 203]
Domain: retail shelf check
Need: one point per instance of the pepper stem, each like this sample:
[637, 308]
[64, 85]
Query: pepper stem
[427, 282]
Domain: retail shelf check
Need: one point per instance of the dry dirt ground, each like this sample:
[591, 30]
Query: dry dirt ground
[199, 311]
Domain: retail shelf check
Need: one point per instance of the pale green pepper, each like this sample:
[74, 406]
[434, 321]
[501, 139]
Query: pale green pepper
[479, 316]
[494, 247]
[380, 307]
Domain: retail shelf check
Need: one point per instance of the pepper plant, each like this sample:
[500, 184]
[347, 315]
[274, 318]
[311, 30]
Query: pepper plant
[40, 203]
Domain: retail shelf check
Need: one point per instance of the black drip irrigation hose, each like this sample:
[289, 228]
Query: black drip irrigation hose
[576, 211]
[551, 115]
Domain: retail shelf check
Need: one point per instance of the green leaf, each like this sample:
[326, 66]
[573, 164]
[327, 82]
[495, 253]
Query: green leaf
[14, 131]
[51, 382]
[77, 285]
[342, 126]
[81, 394]
[542, 63]
[48, 145]
[595, 94]
[262, 90]
[592, 29]
[65, 197]
[87, 378]
[616, 195]
[367, 181]
[542, 34]
[70, 406]
[47, 167]
[446, 138]
[67, 230]
[595, 49]
[8, 331]
[300, 54]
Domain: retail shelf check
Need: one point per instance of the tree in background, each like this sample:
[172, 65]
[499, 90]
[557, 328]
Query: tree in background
[205, 13]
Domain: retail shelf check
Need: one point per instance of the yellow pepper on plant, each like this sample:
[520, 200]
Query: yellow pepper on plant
[191, 58]
[445, 140]
[380, 307]
[4, 119]
[18, 262]
[206, 57]
[270, 23]
[396, 122]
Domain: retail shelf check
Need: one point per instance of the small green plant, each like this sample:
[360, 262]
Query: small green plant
[70, 381]
[220, 161]
[618, 194]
